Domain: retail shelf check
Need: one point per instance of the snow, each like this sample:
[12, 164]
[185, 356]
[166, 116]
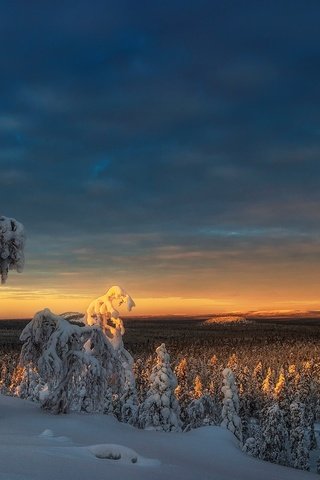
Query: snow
[35, 445]
[121, 454]
[102, 312]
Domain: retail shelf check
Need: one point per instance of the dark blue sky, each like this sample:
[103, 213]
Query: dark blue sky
[163, 144]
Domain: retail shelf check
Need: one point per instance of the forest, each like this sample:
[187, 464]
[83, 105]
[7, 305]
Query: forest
[260, 379]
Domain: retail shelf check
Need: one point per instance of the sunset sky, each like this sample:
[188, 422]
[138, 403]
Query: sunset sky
[172, 148]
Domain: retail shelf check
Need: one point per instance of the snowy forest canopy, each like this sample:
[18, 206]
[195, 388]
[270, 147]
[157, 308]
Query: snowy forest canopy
[261, 386]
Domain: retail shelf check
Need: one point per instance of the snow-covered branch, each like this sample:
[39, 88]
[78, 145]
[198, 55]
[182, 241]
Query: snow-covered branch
[12, 239]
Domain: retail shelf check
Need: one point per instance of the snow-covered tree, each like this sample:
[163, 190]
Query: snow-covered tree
[201, 412]
[63, 356]
[197, 387]
[252, 447]
[160, 409]
[92, 391]
[182, 391]
[299, 453]
[266, 386]
[230, 409]
[306, 395]
[26, 383]
[12, 239]
[274, 444]
[83, 368]
[102, 312]
[279, 388]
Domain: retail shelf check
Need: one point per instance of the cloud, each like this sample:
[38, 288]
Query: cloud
[175, 140]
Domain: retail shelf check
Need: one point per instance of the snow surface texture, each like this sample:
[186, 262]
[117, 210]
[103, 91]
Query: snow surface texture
[35, 445]
[12, 239]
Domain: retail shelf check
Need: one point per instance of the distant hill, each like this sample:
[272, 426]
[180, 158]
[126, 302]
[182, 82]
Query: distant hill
[226, 319]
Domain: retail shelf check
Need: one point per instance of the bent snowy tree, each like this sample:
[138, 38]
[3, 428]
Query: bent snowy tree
[78, 366]
[12, 239]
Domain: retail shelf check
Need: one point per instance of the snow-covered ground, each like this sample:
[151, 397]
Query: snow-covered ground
[39, 446]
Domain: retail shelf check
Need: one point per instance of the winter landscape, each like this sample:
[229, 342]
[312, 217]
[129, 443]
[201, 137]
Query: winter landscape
[159, 240]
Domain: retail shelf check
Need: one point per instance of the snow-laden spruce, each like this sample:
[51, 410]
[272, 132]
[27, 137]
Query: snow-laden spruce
[12, 240]
[230, 409]
[299, 453]
[274, 443]
[80, 366]
[160, 410]
[201, 412]
[72, 374]
[103, 312]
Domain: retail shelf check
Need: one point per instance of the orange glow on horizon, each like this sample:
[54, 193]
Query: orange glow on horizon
[15, 304]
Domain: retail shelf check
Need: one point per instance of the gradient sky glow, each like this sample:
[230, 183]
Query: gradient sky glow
[169, 147]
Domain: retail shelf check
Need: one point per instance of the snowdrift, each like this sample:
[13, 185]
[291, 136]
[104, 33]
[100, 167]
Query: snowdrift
[35, 445]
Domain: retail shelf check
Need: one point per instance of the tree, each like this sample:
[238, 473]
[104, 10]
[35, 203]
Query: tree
[299, 453]
[201, 412]
[306, 395]
[160, 409]
[182, 391]
[102, 312]
[266, 384]
[12, 240]
[230, 409]
[274, 444]
[197, 387]
[83, 368]
[54, 348]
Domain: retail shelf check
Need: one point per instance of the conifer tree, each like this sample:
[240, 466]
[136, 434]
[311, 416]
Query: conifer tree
[299, 453]
[182, 391]
[305, 394]
[201, 412]
[230, 409]
[197, 387]
[160, 409]
[274, 435]
[267, 384]
[12, 240]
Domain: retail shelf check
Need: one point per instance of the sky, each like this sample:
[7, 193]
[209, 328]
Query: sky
[169, 147]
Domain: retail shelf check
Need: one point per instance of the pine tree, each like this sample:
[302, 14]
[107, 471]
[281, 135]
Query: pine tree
[299, 453]
[257, 373]
[12, 240]
[274, 442]
[267, 384]
[280, 385]
[102, 312]
[76, 363]
[251, 447]
[197, 387]
[230, 410]
[305, 394]
[201, 412]
[182, 391]
[160, 410]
